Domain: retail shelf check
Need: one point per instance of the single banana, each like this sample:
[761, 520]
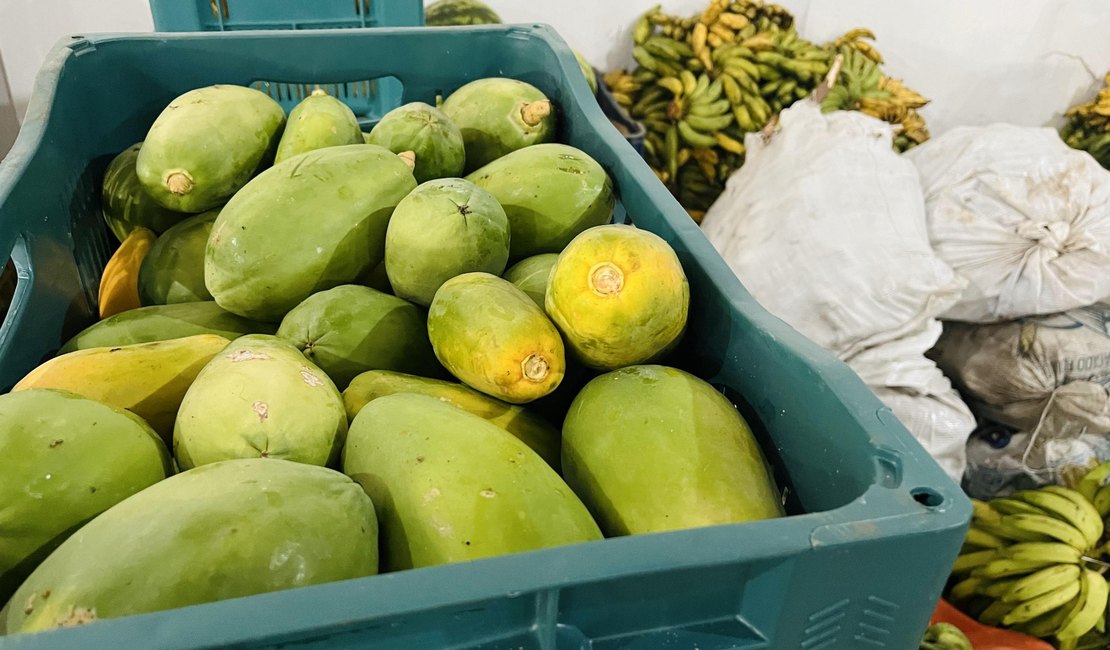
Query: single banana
[731, 88]
[968, 562]
[1030, 609]
[698, 38]
[965, 589]
[1044, 525]
[711, 109]
[1042, 582]
[997, 588]
[693, 137]
[645, 59]
[1092, 605]
[713, 92]
[729, 144]
[672, 150]
[673, 84]
[709, 125]
[744, 63]
[1101, 501]
[744, 119]
[733, 21]
[1059, 504]
[1047, 552]
[1004, 568]
[642, 29]
[683, 156]
[1046, 625]
[689, 82]
[997, 612]
[700, 88]
[724, 33]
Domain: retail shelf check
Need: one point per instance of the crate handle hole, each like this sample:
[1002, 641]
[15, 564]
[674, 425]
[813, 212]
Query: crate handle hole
[927, 497]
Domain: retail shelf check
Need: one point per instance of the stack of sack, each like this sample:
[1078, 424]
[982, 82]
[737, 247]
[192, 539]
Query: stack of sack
[1026, 221]
[825, 226]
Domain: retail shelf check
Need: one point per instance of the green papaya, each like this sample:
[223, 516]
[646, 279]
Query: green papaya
[206, 145]
[428, 133]
[307, 224]
[517, 420]
[351, 329]
[530, 275]
[225, 530]
[366, 138]
[491, 336]
[124, 203]
[63, 460]
[318, 121]
[162, 323]
[459, 12]
[498, 116]
[450, 486]
[173, 270]
[260, 398]
[551, 193]
[619, 296]
[652, 448]
[443, 228]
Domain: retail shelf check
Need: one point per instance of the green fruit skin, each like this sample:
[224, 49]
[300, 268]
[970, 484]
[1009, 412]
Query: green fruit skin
[63, 460]
[459, 12]
[366, 138]
[310, 223]
[587, 71]
[450, 486]
[173, 270]
[218, 135]
[221, 531]
[125, 205]
[488, 114]
[260, 398]
[351, 329]
[517, 420]
[551, 193]
[162, 323]
[530, 275]
[318, 121]
[444, 228]
[484, 330]
[652, 448]
[427, 132]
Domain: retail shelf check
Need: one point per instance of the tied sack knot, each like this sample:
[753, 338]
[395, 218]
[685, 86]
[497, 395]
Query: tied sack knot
[1055, 236]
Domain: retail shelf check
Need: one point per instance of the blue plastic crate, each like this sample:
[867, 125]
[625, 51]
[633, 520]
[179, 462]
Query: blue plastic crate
[370, 99]
[874, 523]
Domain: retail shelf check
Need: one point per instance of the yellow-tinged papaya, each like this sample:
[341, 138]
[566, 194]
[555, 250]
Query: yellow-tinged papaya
[119, 284]
[619, 296]
[148, 379]
[450, 486]
[652, 448]
[492, 337]
[534, 431]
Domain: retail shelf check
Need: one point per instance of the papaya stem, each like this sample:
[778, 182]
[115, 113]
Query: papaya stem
[409, 157]
[606, 279]
[534, 112]
[179, 182]
[535, 368]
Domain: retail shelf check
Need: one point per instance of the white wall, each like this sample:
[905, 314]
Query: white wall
[982, 61]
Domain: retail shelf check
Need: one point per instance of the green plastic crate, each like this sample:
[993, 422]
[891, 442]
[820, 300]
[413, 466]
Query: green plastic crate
[874, 526]
[370, 99]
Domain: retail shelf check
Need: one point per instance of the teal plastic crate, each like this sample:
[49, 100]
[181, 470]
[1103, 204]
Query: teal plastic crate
[370, 99]
[874, 523]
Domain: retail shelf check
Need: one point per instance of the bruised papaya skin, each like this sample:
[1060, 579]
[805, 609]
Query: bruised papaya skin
[443, 228]
[318, 121]
[491, 336]
[173, 270]
[221, 531]
[532, 430]
[206, 145]
[427, 132]
[497, 116]
[260, 398]
[530, 275]
[310, 223]
[652, 448]
[77, 457]
[550, 193]
[450, 486]
[351, 329]
[163, 323]
[619, 296]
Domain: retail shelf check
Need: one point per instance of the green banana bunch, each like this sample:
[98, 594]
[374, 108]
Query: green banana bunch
[1030, 561]
[1088, 126]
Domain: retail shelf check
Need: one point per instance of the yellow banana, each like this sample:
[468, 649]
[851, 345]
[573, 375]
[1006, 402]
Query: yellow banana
[689, 82]
[1101, 501]
[1059, 503]
[965, 589]
[724, 33]
[1030, 609]
[997, 612]
[693, 137]
[729, 144]
[1005, 568]
[731, 88]
[1092, 480]
[1047, 552]
[1008, 506]
[733, 21]
[1091, 606]
[700, 88]
[1043, 525]
[672, 84]
[1042, 582]
[1046, 625]
[698, 37]
[148, 379]
[744, 118]
[968, 562]
[119, 284]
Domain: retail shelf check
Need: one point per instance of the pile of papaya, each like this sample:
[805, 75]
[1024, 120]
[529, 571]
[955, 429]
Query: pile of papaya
[324, 354]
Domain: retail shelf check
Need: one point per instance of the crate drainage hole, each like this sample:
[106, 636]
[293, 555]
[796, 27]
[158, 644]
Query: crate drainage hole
[927, 497]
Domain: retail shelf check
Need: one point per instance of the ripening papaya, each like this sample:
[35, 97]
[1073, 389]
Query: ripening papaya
[119, 283]
[619, 296]
[491, 336]
[206, 145]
